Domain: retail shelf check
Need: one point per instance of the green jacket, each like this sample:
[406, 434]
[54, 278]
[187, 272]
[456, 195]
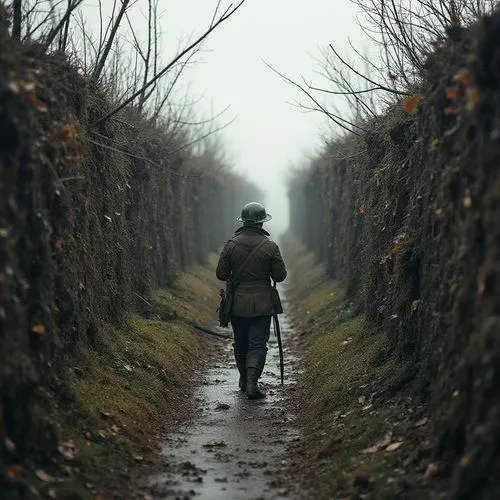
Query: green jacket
[253, 294]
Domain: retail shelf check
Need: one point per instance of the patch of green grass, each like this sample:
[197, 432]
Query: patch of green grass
[342, 411]
[194, 297]
[125, 388]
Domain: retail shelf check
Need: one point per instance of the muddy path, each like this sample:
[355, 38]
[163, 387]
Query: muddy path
[233, 448]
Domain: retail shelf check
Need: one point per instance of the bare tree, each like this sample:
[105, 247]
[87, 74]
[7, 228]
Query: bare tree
[152, 81]
[404, 33]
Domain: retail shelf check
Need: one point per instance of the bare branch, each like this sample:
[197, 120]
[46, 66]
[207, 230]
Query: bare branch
[57, 28]
[102, 60]
[179, 56]
[336, 119]
[378, 85]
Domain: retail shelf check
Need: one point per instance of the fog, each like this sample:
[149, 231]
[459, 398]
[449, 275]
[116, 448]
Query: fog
[269, 134]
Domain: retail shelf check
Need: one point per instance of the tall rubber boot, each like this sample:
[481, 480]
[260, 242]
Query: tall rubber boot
[255, 365]
[241, 363]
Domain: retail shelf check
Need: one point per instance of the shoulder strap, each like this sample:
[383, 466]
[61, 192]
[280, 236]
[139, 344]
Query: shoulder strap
[248, 259]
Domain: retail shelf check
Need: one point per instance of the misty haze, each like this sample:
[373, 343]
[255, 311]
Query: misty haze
[249, 250]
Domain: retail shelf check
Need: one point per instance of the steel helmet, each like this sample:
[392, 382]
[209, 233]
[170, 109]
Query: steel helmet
[254, 213]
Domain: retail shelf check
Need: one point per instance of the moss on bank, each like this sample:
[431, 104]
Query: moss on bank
[121, 392]
[359, 438]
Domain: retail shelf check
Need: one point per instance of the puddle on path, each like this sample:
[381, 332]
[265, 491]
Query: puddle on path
[234, 448]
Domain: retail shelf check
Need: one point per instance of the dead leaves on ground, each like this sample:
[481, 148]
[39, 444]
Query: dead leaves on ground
[385, 444]
[44, 476]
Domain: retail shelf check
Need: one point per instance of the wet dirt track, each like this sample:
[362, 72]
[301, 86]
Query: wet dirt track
[233, 448]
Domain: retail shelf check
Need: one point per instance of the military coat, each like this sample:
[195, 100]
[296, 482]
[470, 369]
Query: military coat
[252, 296]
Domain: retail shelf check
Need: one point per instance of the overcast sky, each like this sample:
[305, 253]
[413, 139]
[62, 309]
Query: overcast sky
[269, 134]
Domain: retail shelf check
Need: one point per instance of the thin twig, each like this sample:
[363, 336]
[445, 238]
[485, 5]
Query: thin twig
[142, 158]
[179, 56]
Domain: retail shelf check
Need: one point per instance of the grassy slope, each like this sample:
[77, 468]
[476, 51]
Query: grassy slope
[345, 405]
[135, 383]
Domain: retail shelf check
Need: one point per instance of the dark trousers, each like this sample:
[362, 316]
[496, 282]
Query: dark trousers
[250, 340]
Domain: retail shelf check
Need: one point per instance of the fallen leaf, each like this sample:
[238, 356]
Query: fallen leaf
[472, 98]
[14, 471]
[394, 446]
[463, 76]
[39, 329]
[40, 106]
[414, 305]
[4, 232]
[105, 414]
[482, 286]
[434, 144]
[371, 449]
[43, 476]
[68, 449]
[31, 97]
[138, 458]
[410, 104]
[452, 93]
[467, 201]
[362, 209]
[282, 491]
[58, 246]
[14, 87]
[346, 414]
[422, 422]
[431, 471]
[10, 446]
[28, 86]
[386, 441]
[67, 132]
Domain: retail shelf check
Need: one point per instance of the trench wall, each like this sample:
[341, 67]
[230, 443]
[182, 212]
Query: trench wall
[407, 216]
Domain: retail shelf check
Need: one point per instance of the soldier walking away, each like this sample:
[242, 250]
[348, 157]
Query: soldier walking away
[252, 257]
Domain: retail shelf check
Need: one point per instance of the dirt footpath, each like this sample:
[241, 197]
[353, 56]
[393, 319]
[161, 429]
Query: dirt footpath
[233, 448]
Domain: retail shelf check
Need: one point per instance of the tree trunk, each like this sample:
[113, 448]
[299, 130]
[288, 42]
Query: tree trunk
[17, 17]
